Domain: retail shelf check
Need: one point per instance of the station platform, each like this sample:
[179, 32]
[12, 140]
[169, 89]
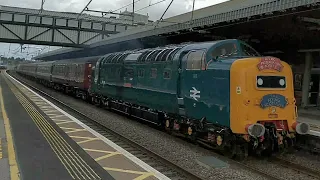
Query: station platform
[38, 140]
[314, 125]
[311, 113]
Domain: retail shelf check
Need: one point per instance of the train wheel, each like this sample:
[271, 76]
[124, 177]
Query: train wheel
[270, 147]
[127, 110]
[167, 126]
[291, 144]
[192, 134]
[93, 100]
[242, 151]
[230, 150]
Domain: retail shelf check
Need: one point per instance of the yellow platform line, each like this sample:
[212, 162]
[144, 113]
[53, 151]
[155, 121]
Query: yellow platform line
[88, 140]
[68, 132]
[100, 151]
[81, 137]
[52, 134]
[59, 120]
[58, 141]
[143, 174]
[55, 115]
[107, 156]
[14, 171]
[124, 170]
[64, 122]
[63, 160]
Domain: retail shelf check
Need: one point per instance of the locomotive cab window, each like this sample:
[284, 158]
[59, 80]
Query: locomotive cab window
[224, 51]
[271, 82]
[248, 51]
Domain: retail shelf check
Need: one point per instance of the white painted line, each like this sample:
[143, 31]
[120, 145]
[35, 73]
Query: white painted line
[134, 159]
[314, 133]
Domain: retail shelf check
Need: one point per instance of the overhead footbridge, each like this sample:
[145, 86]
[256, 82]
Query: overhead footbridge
[42, 27]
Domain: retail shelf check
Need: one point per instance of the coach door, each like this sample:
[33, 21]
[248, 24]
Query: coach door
[191, 83]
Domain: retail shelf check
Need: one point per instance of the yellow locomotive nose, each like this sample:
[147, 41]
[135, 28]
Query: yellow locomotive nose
[266, 99]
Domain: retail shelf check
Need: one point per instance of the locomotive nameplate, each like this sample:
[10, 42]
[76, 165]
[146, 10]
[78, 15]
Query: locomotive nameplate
[273, 100]
[270, 63]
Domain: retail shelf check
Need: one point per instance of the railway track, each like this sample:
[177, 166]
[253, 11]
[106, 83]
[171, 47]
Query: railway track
[297, 167]
[256, 170]
[163, 165]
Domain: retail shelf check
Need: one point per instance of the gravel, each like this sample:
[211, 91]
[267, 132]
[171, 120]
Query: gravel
[278, 170]
[170, 147]
[305, 159]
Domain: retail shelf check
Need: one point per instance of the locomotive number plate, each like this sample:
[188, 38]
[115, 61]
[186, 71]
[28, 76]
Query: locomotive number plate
[273, 115]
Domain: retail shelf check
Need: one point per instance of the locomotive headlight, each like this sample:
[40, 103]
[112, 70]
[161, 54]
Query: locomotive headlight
[282, 82]
[260, 81]
[301, 128]
[255, 130]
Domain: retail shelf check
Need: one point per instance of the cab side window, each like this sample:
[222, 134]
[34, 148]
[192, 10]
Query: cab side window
[248, 51]
[225, 50]
[196, 60]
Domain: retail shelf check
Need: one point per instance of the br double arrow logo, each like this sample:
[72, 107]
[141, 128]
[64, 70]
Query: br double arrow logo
[194, 93]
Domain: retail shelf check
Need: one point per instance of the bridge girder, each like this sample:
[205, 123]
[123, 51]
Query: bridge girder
[29, 26]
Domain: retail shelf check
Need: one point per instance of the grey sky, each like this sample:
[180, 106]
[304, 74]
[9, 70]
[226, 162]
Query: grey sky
[154, 12]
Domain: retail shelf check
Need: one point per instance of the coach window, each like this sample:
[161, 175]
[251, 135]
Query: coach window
[196, 60]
